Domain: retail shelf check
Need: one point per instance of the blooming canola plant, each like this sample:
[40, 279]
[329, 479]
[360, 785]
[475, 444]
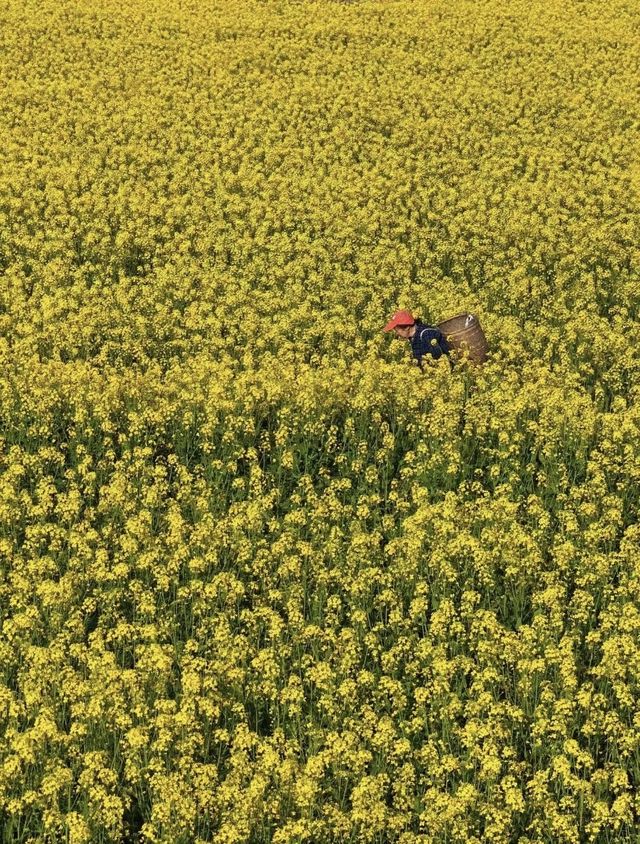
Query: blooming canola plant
[259, 579]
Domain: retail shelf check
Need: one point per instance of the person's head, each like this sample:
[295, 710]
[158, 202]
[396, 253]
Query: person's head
[402, 323]
[404, 331]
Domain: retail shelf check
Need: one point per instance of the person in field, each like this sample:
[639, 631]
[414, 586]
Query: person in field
[424, 339]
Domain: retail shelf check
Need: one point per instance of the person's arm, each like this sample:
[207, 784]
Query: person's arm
[428, 340]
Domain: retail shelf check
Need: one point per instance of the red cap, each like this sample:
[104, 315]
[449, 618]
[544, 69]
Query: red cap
[399, 318]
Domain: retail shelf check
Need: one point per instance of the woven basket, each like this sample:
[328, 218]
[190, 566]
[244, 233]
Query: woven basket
[464, 334]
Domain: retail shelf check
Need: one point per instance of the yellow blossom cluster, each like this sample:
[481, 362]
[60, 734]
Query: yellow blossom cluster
[261, 580]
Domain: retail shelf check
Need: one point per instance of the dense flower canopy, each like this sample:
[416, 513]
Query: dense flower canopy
[261, 579]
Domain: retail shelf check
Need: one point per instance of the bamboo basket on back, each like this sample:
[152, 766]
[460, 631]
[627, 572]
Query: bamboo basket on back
[464, 334]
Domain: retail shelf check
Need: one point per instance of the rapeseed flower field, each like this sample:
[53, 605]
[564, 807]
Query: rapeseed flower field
[261, 580]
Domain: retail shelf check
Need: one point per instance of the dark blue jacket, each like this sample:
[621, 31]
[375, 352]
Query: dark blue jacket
[428, 340]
